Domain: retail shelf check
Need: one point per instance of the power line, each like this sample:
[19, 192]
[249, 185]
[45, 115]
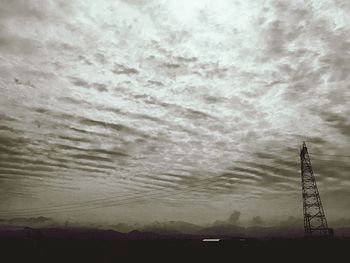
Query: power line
[104, 201]
[110, 201]
[335, 155]
[142, 192]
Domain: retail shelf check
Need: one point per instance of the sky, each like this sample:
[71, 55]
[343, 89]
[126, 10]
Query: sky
[136, 111]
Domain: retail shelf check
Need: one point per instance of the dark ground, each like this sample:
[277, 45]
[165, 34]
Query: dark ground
[19, 249]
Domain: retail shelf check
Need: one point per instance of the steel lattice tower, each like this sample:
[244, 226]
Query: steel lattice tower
[315, 223]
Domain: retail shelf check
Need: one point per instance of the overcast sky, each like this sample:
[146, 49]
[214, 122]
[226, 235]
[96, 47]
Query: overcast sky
[172, 109]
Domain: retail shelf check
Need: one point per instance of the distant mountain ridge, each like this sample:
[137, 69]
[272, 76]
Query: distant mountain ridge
[291, 228]
[209, 232]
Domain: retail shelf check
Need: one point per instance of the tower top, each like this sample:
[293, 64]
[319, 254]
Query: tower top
[303, 149]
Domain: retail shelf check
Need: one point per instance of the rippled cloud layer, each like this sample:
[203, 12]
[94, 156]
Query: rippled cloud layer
[170, 109]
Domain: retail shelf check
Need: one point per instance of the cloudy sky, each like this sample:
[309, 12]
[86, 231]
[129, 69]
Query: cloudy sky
[134, 111]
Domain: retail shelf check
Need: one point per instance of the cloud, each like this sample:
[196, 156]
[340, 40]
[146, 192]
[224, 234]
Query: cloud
[174, 227]
[231, 220]
[20, 8]
[234, 217]
[135, 2]
[40, 221]
[339, 121]
[121, 70]
[291, 221]
[23, 42]
[340, 223]
[81, 83]
[13, 44]
[165, 96]
[257, 221]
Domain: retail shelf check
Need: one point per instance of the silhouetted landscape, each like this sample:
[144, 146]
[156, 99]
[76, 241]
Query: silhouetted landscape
[95, 245]
[46, 239]
[42, 238]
